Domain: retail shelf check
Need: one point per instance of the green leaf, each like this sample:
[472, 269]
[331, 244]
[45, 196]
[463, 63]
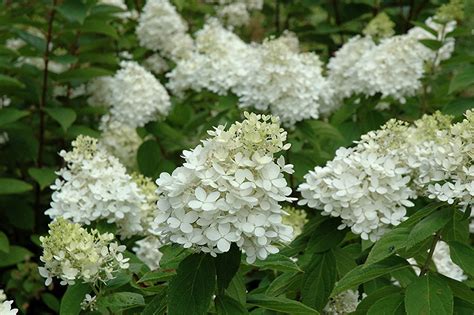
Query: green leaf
[43, 176]
[462, 80]
[364, 273]
[172, 256]
[149, 158]
[318, 280]
[388, 245]
[432, 44]
[157, 305]
[4, 243]
[73, 10]
[373, 297]
[51, 301]
[72, 298]
[83, 74]
[9, 115]
[227, 265]
[277, 262]
[421, 213]
[9, 82]
[460, 290]
[429, 225]
[64, 116]
[100, 27]
[237, 289]
[344, 261]
[285, 282]
[13, 186]
[463, 255]
[429, 295]
[326, 236]
[280, 304]
[122, 300]
[190, 292]
[458, 106]
[34, 41]
[226, 305]
[157, 276]
[389, 305]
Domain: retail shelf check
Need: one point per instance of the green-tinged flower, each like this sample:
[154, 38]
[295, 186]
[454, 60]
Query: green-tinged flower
[70, 253]
[380, 27]
[454, 10]
[296, 218]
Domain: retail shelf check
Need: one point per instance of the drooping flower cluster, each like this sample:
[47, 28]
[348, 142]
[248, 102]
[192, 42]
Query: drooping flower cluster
[343, 303]
[370, 186]
[162, 29]
[272, 76]
[95, 186]
[133, 95]
[71, 253]
[236, 12]
[228, 191]
[394, 67]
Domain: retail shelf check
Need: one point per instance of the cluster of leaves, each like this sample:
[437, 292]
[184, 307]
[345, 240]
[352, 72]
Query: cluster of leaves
[87, 38]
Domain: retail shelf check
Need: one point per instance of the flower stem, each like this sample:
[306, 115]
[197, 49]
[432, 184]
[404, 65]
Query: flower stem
[426, 267]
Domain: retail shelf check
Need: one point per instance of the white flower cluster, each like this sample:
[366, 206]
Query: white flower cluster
[235, 13]
[220, 61]
[71, 253]
[148, 251]
[120, 140]
[89, 303]
[444, 264]
[288, 83]
[343, 303]
[296, 218]
[95, 186]
[156, 64]
[394, 67]
[228, 191]
[370, 186]
[162, 29]
[272, 76]
[133, 94]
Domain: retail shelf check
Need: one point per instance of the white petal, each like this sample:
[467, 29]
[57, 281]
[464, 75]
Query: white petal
[200, 194]
[212, 234]
[223, 245]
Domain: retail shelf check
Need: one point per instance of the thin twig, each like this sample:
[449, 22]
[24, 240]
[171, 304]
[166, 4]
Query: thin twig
[277, 16]
[42, 103]
[337, 17]
[44, 92]
[426, 267]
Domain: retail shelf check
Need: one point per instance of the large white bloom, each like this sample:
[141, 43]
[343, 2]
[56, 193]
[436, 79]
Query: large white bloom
[288, 83]
[228, 191]
[6, 308]
[393, 68]
[133, 95]
[273, 76]
[369, 186]
[220, 62]
[71, 253]
[95, 186]
[162, 29]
